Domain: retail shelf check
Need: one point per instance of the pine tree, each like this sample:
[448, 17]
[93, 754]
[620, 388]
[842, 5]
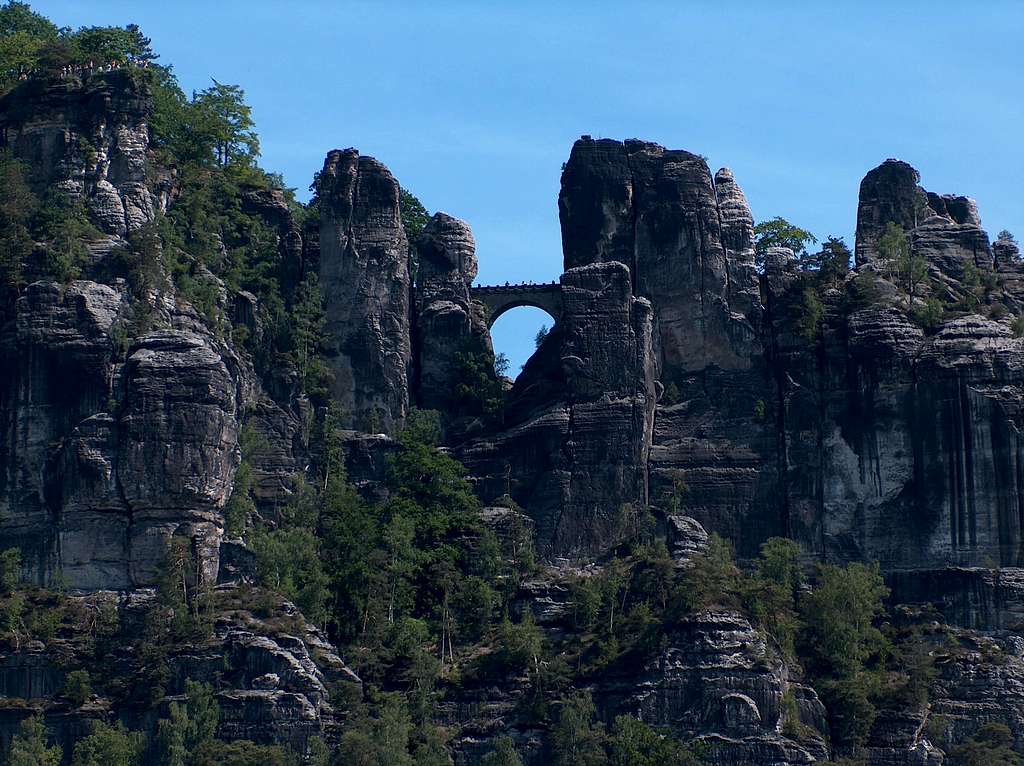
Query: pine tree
[504, 754]
[28, 747]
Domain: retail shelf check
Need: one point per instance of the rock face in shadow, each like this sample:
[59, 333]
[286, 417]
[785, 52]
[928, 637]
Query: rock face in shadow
[57, 372]
[659, 211]
[364, 276]
[903, 444]
[103, 461]
[448, 322]
[580, 418]
[91, 142]
[688, 239]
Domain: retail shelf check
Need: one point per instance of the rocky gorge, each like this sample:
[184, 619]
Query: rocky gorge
[679, 390]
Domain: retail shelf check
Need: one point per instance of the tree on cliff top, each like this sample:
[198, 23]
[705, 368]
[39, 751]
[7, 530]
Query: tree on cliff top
[414, 215]
[832, 262]
[778, 232]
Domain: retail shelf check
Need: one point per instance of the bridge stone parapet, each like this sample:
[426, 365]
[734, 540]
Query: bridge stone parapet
[501, 298]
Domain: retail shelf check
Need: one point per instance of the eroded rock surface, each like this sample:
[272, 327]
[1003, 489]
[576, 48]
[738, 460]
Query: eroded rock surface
[449, 324]
[90, 142]
[364, 275]
[583, 412]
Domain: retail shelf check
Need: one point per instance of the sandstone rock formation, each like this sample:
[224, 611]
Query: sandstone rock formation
[688, 238]
[89, 142]
[580, 418]
[677, 379]
[448, 322]
[659, 212]
[107, 461]
[364, 275]
[717, 681]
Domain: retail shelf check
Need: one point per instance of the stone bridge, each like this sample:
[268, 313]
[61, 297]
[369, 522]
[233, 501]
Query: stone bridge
[500, 298]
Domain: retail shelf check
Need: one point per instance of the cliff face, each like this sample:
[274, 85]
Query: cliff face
[121, 411]
[91, 142]
[659, 212]
[448, 322]
[364, 274]
[677, 379]
[581, 415]
[902, 445]
[879, 441]
[687, 238]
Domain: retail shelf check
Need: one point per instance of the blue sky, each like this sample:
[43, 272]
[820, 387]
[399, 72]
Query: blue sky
[474, 105]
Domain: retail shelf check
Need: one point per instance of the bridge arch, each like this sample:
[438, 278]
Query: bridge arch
[502, 298]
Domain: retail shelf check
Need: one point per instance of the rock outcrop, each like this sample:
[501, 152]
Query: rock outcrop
[580, 418]
[364, 275]
[448, 322]
[688, 237]
[678, 379]
[90, 142]
[105, 461]
[717, 681]
[658, 211]
[272, 678]
[902, 445]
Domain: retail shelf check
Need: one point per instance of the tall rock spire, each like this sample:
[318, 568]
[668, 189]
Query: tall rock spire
[364, 275]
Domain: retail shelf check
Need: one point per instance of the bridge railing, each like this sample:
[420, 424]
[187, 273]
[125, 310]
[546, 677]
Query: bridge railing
[516, 287]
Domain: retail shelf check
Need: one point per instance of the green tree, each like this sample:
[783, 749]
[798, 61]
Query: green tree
[929, 315]
[170, 737]
[913, 272]
[108, 746]
[633, 743]
[18, 205]
[224, 119]
[77, 686]
[189, 727]
[243, 752]
[577, 739]
[839, 638]
[17, 16]
[23, 36]
[431, 749]
[503, 754]
[522, 644]
[478, 388]
[840, 615]
[28, 747]
[770, 594]
[893, 246]
[382, 740]
[10, 570]
[973, 283]
[992, 745]
[832, 262]
[64, 222]
[319, 752]
[542, 333]
[414, 215]
[778, 232]
[713, 578]
[812, 316]
[307, 335]
[103, 45]
[288, 561]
